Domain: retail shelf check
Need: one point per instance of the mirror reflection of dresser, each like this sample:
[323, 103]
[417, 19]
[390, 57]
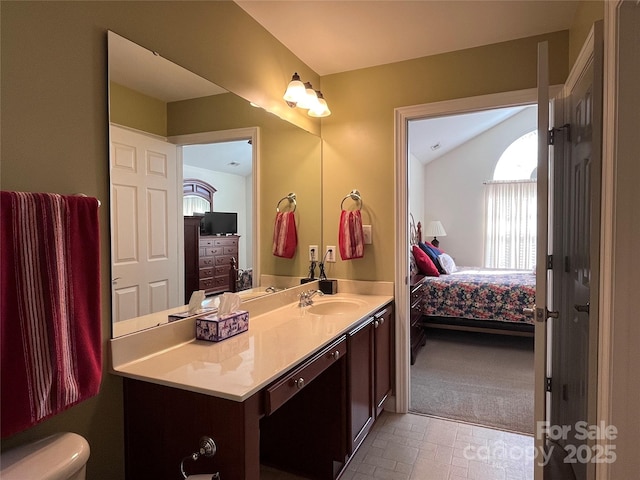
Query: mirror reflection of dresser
[207, 258]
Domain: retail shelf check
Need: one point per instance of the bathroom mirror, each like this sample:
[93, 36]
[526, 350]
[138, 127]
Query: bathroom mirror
[150, 104]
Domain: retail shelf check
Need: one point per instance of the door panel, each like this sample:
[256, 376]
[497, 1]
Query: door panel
[574, 334]
[144, 224]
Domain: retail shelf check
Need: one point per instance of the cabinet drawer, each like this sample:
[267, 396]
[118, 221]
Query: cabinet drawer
[223, 259]
[206, 242]
[221, 282]
[225, 242]
[221, 270]
[229, 250]
[206, 262]
[212, 251]
[206, 283]
[206, 272]
[285, 388]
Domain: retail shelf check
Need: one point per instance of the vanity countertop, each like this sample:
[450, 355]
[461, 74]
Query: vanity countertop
[238, 367]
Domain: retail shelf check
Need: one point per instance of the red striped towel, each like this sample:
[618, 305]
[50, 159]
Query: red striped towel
[51, 347]
[350, 235]
[285, 235]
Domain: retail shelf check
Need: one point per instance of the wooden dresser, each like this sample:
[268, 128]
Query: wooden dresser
[207, 259]
[417, 334]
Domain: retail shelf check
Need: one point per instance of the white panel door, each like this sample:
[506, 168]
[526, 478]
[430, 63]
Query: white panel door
[144, 224]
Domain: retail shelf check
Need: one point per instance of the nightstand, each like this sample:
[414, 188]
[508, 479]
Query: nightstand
[417, 334]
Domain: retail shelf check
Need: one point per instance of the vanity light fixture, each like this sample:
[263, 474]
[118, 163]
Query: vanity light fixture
[302, 95]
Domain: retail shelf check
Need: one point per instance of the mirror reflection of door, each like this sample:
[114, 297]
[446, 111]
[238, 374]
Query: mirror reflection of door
[144, 246]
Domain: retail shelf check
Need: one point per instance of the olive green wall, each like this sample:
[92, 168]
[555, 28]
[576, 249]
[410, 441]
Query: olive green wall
[587, 13]
[133, 109]
[358, 138]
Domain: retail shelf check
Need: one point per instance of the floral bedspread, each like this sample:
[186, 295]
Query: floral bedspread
[481, 294]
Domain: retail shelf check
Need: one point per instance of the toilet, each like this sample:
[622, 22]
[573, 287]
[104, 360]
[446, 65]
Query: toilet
[62, 456]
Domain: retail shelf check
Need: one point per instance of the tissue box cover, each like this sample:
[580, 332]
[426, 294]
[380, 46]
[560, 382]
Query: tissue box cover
[214, 328]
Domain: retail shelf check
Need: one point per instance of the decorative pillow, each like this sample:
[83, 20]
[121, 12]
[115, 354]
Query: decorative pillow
[433, 255]
[438, 251]
[413, 268]
[447, 263]
[425, 265]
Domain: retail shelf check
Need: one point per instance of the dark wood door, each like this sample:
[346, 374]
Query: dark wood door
[383, 359]
[361, 382]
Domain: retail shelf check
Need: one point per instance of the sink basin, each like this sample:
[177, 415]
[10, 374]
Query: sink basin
[334, 307]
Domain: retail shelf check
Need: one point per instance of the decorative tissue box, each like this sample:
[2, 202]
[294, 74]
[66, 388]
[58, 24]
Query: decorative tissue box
[215, 329]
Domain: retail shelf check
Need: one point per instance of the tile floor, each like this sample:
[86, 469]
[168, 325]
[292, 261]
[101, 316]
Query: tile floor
[416, 447]
[408, 447]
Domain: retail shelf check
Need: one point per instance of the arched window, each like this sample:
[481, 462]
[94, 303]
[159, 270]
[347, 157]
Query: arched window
[520, 159]
[510, 207]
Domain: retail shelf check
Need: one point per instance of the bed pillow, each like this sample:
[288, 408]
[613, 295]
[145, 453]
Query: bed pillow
[438, 251]
[433, 255]
[447, 263]
[425, 265]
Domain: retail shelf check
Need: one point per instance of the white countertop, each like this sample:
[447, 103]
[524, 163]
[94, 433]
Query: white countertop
[237, 367]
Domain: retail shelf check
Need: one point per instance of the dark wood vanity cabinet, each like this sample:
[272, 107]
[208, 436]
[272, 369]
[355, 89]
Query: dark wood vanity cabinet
[370, 366]
[207, 259]
[310, 421]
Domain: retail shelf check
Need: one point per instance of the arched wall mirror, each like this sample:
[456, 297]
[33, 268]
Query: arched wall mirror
[161, 135]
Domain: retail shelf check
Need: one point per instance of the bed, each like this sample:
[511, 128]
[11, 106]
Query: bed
[481, 298]
[470, 298]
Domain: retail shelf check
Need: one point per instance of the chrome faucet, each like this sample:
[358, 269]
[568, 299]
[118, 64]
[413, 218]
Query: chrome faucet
[306, 298]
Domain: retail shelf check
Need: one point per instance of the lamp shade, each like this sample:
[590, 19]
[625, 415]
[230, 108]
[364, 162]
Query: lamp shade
[435, 229]
[295, 90]
[321, 109]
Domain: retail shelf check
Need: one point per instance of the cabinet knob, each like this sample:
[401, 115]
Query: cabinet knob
[336, 355]
[299, 382]
[376, 323]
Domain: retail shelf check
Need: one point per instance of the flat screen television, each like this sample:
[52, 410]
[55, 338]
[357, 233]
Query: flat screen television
[219, 223]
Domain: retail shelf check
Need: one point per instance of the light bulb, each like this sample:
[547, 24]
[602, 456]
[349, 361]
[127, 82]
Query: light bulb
[295, 91]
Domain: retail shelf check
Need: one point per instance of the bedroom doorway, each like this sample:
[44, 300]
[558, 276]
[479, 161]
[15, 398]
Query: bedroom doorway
[404, 186]
[472, 171]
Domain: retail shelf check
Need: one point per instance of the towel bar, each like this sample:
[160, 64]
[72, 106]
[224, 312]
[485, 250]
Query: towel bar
[292, 199]
[355, 196]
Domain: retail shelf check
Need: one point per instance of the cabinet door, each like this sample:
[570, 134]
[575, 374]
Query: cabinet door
[384, 356]
[361, 381]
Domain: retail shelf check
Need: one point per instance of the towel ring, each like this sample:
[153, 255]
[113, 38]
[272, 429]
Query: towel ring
[292, 199]
[355, 196]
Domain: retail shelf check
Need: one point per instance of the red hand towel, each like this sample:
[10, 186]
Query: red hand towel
[350, 235]
[285, 235]
[51, 346]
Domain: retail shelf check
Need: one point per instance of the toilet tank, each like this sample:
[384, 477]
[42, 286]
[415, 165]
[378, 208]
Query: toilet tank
[62, 456]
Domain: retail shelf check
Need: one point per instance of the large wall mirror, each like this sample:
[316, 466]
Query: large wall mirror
[166, 125]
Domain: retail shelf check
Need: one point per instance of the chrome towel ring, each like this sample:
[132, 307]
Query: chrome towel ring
[292, 199]
[355, 196]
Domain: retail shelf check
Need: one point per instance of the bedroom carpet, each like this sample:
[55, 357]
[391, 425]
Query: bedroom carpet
[479, 378]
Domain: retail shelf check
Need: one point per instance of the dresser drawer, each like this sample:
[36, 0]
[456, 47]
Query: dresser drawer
[212, 251]
[285, 388]
[229, 250]
[225, 242]
[221, 270]
[221, 282]
[223, 259]
[206, 262]
[207, 272]
[206, 242]
[206, 283]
